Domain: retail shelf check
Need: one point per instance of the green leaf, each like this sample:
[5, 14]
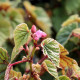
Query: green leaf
[51, 68]
[64, 78]
[72, 6]
[71, 19]
[59, 15]
[51, 49]
[13, 74]
[64, 34]
[39, 17]
[49, 77]
[15, 17]
[21, 36]
[3, 62]
[4, 30]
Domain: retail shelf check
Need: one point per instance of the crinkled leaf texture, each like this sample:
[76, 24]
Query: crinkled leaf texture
[64, 34]
[51, 68]
[3, 62]
[64, 60]
[64, 78]
[14, 74]
[21, 36]
[51, 49]
[39, 17]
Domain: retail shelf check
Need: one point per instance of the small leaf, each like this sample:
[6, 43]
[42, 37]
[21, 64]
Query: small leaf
[51, 49]
[3, 62]
[51, 68]
[14, 74]
[21, 36]
[64, 34]
[64, 78]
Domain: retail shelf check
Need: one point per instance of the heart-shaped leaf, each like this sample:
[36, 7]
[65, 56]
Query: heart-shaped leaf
[21, 36]
[51, 68]
[3, 62]
[51, 49]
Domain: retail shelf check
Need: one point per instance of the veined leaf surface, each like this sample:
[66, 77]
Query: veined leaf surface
[65, 32]
[3, 62]
[51, 49]
[21, 36]
[51, 68]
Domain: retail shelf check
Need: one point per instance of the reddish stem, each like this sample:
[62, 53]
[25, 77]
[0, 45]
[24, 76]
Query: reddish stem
[19, 62]
[45, 57]
[10, 66]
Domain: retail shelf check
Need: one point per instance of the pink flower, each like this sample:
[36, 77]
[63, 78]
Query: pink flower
[44, 34]
[39, 34]
[33, 29]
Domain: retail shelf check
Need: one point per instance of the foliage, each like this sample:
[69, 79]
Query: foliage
[31, 54]
[54, 56]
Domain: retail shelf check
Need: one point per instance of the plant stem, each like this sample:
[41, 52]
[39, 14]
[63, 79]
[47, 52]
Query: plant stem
[18, 62]
[45, 57]
[33, 51]
[10, 66]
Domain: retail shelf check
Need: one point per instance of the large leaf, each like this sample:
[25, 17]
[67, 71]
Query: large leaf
[21, 36]
[65, 32]
[76, 70]
[71, 19]
[51, 49]
[64, 78]
[3, 62]
[39, 17]
[72, 6]
[4, 30]
[64, 60]
[51, 68]
[15, 17]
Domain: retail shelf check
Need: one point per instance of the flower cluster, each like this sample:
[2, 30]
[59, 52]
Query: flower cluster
[37, 34]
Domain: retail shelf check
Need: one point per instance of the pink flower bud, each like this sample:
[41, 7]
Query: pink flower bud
[39, 34]
[44, 34]
[33, 29]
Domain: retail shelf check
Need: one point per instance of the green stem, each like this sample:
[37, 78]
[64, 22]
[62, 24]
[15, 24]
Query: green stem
[33, 51]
